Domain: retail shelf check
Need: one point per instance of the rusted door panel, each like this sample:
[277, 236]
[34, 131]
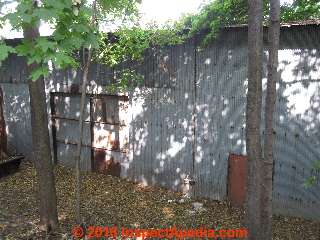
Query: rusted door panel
[111, 137]
[110, 134]
[237, 179]
[110, 110]
[106, 133]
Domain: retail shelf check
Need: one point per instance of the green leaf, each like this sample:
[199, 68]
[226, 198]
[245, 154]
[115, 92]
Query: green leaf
[310, 182]
[46, 14]
[62, 60]
[44, 44]
[24, 48]
[5, 51]
[37, 73]
[58, 5]
[316, 165]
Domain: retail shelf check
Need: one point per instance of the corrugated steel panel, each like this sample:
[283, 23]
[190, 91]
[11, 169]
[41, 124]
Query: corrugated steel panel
[220, 104]
[17, 117]
[161, 120]
[297, 117]
[66, 156]
[190, 114]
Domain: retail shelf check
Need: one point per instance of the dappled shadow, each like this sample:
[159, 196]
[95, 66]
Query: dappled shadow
[16, 105]
[189, 114]
[296, 124]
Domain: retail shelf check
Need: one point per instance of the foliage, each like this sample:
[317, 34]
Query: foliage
[73, 29]
[301, 10]
[72, 21]
[220, 13]
[313, 178]
[5, 51]
[128, 45]
[127, 80]
[217, 14]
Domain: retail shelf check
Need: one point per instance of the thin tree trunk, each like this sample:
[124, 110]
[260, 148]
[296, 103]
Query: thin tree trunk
[253, 118]
[41, 144]
[86, 64]
[266, 201]
[78, 153]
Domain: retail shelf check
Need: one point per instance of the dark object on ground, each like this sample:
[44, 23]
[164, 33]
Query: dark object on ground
[10, 165]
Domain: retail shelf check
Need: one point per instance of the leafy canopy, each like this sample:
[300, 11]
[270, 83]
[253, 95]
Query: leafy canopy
[220, 13]
[75, 26]
[72, 21]
[301, 10]
[128, 45]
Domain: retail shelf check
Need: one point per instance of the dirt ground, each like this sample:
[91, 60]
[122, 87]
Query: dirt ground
[109, 201]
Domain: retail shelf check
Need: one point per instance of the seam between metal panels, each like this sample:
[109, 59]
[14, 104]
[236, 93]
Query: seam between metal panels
[194, 113]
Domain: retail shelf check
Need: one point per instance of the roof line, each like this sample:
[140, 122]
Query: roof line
[283, 24]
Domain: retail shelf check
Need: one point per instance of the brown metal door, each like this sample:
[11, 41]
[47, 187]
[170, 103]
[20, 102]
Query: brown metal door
[110, 133]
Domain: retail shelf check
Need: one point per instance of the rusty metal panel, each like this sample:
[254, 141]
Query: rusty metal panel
[65, 117]
[237, 179]
[105, 131]
[111, 137]
[110, 134]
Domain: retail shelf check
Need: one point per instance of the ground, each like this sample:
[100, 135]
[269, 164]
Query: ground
[109, 200]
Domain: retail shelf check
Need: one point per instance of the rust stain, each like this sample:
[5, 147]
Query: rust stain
[237, 179]
[109, 167]
[74, 88]
[113, 143]
[113, 168]
[99, 160]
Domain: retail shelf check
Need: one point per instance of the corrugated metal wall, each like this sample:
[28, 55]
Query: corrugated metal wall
[190, 115]
[220, 111]
[162, 119]
[66, 120]
[297, 122]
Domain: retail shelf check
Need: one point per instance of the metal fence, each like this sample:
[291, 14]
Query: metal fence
[190, 114]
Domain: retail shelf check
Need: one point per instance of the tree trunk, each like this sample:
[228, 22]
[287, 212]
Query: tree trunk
[266, 200]
[86, 65]
[78, 153]
[253, 118]
[41, 145]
